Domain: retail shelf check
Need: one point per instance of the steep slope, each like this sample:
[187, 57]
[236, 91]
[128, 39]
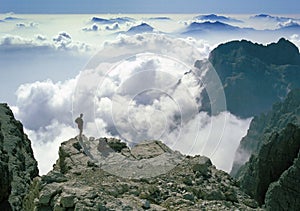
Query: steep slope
[5, 180]
[262, 127]
[255, 76]
[17, 160]
[271, 175]
[81, 180]
[284, 194]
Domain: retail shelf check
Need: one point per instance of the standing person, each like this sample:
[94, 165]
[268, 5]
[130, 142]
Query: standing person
[79, 122]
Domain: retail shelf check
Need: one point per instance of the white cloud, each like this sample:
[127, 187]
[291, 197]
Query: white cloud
[288, 23]
[295, 38]
[40, 103]
[213, 137]
[26, 25]
[149, 95]
[62, 41]
[46, 142]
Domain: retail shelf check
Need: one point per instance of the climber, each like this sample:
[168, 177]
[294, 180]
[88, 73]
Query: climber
[79, 122]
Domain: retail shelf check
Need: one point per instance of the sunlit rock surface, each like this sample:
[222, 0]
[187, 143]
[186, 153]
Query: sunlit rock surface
[148, 176]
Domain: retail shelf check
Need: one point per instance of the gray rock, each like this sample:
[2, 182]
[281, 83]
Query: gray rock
[95, 188]
[149, 149]
[17, 164]
[146, 205]
[271, 176]
[67, 200]
[48, 193]
[284, 194]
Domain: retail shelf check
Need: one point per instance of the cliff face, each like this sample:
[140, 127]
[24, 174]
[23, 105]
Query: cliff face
[271, 175]
[17, 164]
[262, 127]
[284, 194]
[90, 175]
[254, 76]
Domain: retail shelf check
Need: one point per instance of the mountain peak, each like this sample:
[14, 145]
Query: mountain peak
[280, 53]
[79, 182]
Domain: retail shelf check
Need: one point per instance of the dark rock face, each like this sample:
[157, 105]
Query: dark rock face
[79, 182]
[275, 156]
[284, 194]
[262, 127]
[18, 166]
[271, 175]
[5, 180]
[254, 76]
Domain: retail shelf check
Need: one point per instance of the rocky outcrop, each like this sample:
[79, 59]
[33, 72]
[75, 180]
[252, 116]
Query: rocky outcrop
[275, 156]
[271, 175]
[17, 164]
[254, 76]
[5, 180]
[149, 176]
[284, 194]
[263, 126]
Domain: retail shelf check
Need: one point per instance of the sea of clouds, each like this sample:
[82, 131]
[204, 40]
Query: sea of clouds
[137, 87]
[149, 89]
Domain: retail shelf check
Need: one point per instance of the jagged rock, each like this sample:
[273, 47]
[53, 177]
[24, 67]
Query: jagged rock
[254, 76]
[149, 149]
[88, 187]
[284, 194]
[271, 176]
[67, 200]
[262, 127]
[48, 193]
[17, 164]
[5, 180]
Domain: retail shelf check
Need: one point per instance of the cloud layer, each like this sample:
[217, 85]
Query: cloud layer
[149, 95]
[63, 41]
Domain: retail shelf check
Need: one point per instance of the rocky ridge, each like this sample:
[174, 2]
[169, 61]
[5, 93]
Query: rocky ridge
[17, 163]
[271, 175]
[262, 127]
[255, 76]
[79, 180]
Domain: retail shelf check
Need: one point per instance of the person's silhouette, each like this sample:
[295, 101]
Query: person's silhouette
[79, 122]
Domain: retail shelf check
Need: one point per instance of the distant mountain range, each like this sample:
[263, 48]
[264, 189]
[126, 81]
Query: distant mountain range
[214, 17]
[141, 28]
[271, 17]
[205, 27]
[119, 20]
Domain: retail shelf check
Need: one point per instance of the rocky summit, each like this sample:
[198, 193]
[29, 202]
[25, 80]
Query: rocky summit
[105, 174]
[254, 76]
[17, 164]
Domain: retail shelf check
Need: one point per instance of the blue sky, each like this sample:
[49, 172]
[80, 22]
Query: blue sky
[150, 6]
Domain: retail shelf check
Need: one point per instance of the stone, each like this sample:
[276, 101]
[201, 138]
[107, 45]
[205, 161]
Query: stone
[146, 205]
[94, 188]
[18, 166]
[189, 196]
[148, 149]
[47, 193]
[54, 176]
[273, 141]
[285, 192]
[67, 200]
